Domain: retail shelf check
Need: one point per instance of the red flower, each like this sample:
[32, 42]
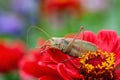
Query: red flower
[59, 6]
[48, 65]
[105, 63]
[10, 55]
[53, 64]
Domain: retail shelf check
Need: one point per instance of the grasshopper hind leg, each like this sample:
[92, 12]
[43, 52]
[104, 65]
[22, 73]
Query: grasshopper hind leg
[69, 46]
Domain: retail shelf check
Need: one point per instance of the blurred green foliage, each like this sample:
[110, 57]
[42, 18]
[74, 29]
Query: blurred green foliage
[109, 19]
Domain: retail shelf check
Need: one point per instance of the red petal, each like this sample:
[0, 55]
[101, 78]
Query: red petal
[106, 40]
[40, 56]
[117, 63]
[74, 74]
[57, 55]
[117, 74]
[89, 36]
[72, 67]
[10, 56]
[62, 71]
[32, 68]
[116, 49]
[38, 69]
[47, 77]
[72, 64]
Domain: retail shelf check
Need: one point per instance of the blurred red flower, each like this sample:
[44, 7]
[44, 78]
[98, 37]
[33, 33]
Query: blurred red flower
[59, 6]
[59, 12]
[10, 55]
[53, 64]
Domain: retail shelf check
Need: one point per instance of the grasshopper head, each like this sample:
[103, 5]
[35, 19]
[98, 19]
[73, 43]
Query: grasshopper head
[59, 43]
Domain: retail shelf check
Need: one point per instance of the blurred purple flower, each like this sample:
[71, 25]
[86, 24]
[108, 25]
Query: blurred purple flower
[10, 24]
[24, 6]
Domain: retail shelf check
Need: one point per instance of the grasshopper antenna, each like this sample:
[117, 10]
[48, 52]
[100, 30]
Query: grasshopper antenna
[69, 46]
[38, 28]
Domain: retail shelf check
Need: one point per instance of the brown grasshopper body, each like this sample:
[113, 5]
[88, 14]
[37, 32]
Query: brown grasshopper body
[70, 46]
[77, 49]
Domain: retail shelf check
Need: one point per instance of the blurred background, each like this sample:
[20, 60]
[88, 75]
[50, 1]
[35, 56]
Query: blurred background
[56, 17]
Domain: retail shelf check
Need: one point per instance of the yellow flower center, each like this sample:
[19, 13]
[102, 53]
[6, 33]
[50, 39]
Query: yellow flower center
[98, 65]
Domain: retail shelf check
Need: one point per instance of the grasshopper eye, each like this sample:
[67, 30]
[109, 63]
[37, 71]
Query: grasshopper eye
[57, 44]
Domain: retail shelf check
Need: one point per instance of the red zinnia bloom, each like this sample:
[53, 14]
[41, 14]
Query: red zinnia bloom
[105, 63]
[10, 55]
[53, 64]
[47, 66]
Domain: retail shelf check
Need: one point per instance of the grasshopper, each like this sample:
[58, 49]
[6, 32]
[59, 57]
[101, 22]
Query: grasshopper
[71, 46]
